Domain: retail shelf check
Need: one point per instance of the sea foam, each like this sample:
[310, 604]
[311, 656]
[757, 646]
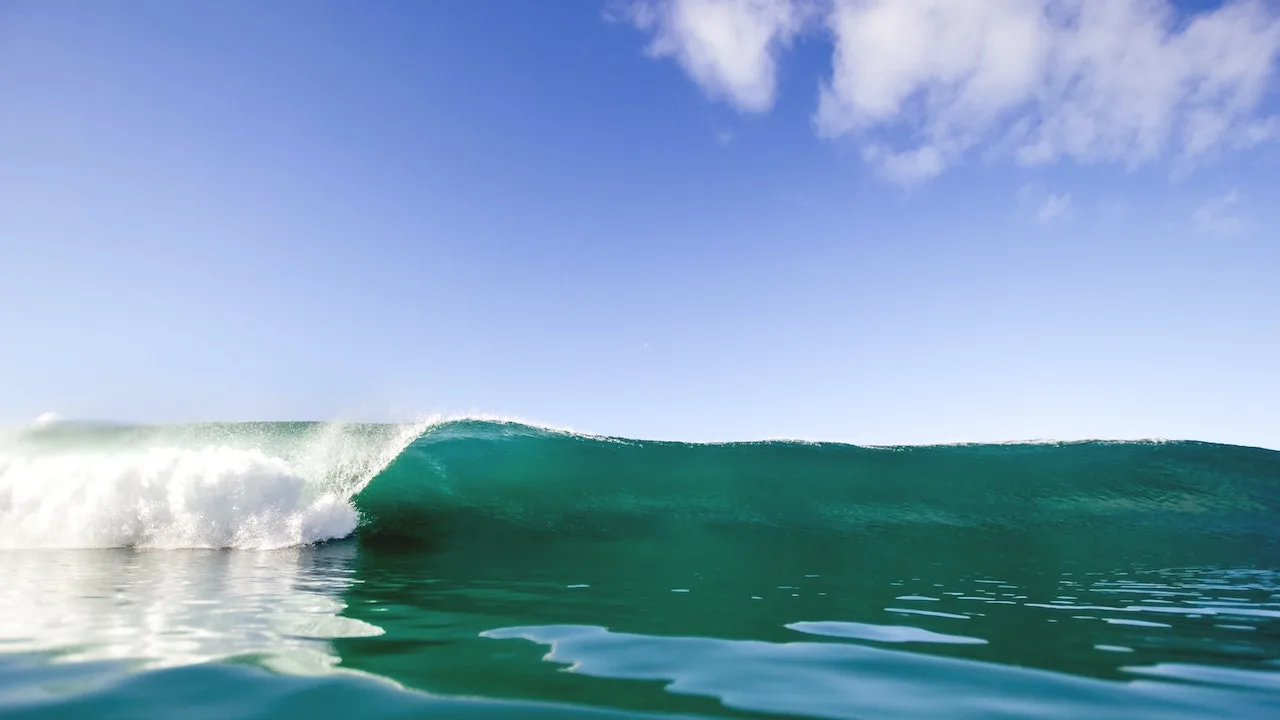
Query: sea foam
[215, 497]
[203, 488]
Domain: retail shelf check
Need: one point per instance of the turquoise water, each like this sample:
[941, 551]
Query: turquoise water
[488, 568]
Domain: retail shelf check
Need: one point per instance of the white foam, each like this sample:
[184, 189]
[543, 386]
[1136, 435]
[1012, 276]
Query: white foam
[241, 492]
[216, 497]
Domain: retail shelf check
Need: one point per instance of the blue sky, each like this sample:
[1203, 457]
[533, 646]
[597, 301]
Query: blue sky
[861, 220]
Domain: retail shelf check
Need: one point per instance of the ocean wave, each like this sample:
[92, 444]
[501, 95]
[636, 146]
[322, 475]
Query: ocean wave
[271, 485]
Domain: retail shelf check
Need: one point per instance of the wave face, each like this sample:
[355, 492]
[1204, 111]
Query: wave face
[268, 485]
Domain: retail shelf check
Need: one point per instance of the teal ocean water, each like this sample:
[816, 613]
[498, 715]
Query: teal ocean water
[477, 568]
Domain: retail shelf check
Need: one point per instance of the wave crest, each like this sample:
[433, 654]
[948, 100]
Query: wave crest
[269, 485]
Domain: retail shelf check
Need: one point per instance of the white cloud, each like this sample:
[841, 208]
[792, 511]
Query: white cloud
[729, 47]
[921, 85]
[1088, 80]
[1219, 216]
[974, 58]
[909, 167]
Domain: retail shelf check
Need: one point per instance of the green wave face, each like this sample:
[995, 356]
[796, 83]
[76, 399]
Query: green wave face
[471, 478]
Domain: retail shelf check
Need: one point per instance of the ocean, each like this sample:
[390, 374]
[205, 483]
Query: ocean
[483, 568]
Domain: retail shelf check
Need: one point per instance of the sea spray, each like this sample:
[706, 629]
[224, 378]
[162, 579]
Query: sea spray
[246, 486]
[214, 497]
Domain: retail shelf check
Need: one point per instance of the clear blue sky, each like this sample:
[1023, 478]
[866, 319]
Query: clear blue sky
[701, 219]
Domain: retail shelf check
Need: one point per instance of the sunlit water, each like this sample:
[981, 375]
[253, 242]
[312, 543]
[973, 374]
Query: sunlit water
[825, 639]
[508, 571]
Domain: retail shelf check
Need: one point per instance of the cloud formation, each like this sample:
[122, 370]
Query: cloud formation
[728, 47]
[921, 85]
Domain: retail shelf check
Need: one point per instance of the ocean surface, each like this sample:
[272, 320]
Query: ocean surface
[477, 568]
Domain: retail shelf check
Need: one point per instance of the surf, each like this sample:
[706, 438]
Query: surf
[444, 480]
[216, 485]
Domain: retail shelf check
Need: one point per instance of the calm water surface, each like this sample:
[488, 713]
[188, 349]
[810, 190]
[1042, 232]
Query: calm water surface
[732, 628]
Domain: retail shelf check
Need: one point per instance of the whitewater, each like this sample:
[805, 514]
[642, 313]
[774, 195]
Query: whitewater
[243, 486]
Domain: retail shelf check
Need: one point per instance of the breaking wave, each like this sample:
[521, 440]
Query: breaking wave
[271, 485]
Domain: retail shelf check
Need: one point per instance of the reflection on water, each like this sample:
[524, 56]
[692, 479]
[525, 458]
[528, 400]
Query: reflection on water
[168, 608]
[757, 633]
[881, 633]
[783, 629]
[836, 680]
[1179, 643]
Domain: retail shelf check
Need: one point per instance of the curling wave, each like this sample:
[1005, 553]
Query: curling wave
[269, 485]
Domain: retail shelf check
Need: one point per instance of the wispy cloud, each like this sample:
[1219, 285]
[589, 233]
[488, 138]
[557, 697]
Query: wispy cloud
[1219, 216]
[922, 85]
[1046, 207]
[1053, 208]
